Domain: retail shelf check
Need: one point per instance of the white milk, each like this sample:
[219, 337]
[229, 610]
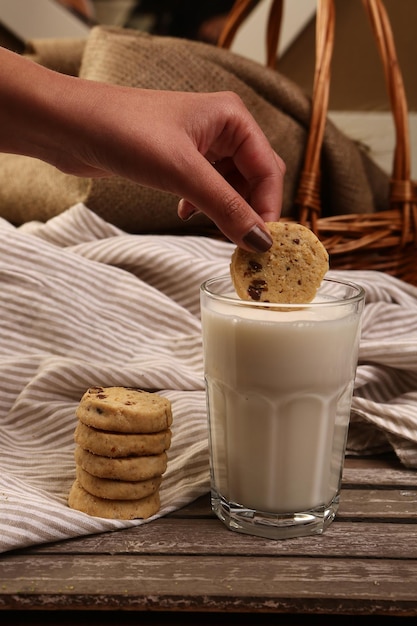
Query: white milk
[279, 389]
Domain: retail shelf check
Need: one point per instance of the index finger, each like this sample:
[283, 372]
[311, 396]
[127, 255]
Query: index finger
[210, 193]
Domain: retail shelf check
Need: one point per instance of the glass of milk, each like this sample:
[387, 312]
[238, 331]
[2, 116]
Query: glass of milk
[279, 381]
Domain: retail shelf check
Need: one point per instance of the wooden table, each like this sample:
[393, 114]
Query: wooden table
[188, 568]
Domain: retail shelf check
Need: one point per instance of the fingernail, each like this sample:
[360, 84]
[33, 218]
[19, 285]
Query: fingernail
[258, 239]
[186, 210]
[189, 214]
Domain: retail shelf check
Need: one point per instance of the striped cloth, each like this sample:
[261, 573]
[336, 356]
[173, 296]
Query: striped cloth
[83, 303]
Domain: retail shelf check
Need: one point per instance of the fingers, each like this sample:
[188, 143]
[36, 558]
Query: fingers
[264, 173]
[241, 177]
[224, 205]
[204, 148]
[239, 202]
[186, 210]
[256, 238]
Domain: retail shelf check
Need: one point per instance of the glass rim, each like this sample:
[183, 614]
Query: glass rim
[236, 301]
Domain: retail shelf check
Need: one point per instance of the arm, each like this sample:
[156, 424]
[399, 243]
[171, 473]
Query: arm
[206, 148]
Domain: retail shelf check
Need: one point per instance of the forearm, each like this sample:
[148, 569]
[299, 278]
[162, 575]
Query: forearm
[42, 112]
[26, 105]
[189, 144]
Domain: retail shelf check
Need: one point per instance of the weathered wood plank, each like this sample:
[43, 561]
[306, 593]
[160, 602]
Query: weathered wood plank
[389, 504]
[360, 501]
[187, 618]
[381, 478]
[183, 618]
[210, 537]
[364, 564]
[210, 583]
[383, 504]
[199, 508]
[382, 461]
[384, 470]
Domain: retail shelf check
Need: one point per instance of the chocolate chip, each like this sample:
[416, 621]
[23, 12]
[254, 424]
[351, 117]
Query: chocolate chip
[256, 288]
[253, 267]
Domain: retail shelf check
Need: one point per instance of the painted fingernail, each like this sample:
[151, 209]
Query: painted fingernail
[188, 215]
[186, 210]
[258, 239]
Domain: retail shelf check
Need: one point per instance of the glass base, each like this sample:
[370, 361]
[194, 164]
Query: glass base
[273, 525]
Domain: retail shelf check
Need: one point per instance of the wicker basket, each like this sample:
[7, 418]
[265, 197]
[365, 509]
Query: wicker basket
[384, 240]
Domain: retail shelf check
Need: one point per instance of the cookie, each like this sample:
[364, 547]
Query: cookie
[291, 271]
[117, 489]
[130, 468]
[107, 443]
[80, 500]
[124, 410]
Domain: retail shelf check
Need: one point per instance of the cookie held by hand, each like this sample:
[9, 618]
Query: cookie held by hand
[290, 272]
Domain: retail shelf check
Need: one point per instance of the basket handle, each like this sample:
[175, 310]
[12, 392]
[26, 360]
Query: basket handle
[308, 195]
[403, 191]
[239, 12]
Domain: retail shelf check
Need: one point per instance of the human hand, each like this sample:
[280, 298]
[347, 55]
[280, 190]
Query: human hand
[205, 148]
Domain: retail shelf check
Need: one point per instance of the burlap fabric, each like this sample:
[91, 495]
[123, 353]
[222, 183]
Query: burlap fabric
[31, 190]
[61, 55]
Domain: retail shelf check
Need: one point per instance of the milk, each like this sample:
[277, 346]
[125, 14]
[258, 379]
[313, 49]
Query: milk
[279, 386]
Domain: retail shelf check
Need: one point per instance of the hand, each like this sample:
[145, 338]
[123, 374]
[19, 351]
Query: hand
[205, 148]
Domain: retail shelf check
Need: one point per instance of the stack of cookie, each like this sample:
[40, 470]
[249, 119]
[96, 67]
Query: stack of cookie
[122, 436]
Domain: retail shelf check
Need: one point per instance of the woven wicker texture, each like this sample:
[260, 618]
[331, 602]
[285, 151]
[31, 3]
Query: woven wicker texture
[381, 240]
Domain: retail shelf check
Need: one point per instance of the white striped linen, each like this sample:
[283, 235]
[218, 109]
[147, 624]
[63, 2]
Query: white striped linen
[83, 303]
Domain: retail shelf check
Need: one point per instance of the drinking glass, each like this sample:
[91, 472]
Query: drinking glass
[279, 383]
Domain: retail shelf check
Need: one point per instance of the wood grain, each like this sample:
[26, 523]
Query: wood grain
[188, 564]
